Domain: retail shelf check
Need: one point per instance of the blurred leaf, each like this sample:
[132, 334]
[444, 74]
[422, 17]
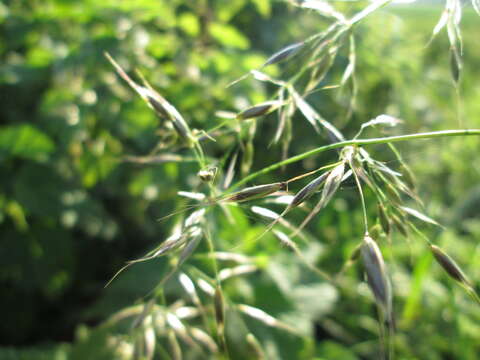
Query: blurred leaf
[188, 22]
[228, 36]
[24, 141]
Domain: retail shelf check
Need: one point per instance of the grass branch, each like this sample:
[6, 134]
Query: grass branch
[356, 142]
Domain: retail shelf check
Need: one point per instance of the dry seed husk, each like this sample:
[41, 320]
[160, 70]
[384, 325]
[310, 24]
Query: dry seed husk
[255, 192]
[376, 273]
[259, 110]
[284, 53]
[449, 265]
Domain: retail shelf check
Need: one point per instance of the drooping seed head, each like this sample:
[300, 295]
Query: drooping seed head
[284, 54]
[256, 192]
[260, 109]
[449, 265]
[376, 273]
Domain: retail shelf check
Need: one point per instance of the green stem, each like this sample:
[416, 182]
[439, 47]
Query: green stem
[356, 142]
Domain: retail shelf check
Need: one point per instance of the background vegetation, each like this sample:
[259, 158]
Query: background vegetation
[74, 206]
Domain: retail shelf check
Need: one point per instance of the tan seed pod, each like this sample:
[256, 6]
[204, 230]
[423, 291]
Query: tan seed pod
[449, 265]
[259, 110]
[256, 192]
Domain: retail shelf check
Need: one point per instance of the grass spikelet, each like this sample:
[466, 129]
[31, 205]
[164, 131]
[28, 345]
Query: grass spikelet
[297, 200]
[455, 64]
[203, 338]
[399, 225]
[155, 101]
[452, 269]
[262, 316]
[225, 274]
[219, 305]
[284, 54]
[377, 275]
[382, 216]
[175, 349]
[260, 109]
[332, 184]
[255, 347]
[206, 287]
[255, 192]
[449, 265]
[308, 190]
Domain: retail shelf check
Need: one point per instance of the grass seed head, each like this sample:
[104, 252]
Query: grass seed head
[255, 347]
[308, 190]
[400, 225]
[207, 175]
[260, 109]
[284, 54]
[376, 273]
[449, 265]
[256, 192]
[455, 64]
[219, 308]
[382, 216]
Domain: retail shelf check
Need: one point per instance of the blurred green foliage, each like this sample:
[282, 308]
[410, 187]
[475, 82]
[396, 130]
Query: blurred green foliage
[73, 210]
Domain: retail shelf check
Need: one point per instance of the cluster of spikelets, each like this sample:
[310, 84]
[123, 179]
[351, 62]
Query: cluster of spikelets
[317, 54]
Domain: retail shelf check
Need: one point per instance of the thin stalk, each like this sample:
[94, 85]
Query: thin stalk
[356, 142]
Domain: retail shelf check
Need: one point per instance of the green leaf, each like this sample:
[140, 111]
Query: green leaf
[229, 36]
[189, 23]
[263, 7]
[24, 141]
